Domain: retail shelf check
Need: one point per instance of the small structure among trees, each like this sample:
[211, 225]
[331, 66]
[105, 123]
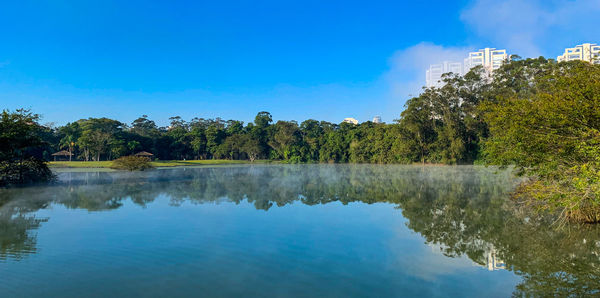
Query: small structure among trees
[144, 154]
[62, 154]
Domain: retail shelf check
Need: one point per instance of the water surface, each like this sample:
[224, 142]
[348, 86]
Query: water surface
[283, 230]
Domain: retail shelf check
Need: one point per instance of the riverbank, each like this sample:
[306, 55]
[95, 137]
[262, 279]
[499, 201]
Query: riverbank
[158, 163]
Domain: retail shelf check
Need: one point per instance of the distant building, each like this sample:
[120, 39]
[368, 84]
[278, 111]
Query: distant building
[433, 76]
[589, 52]
[377, 119]
[492, 261]
[490, 58]
[350, 120]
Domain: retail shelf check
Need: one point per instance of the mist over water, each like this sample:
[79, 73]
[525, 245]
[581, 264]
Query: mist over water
[288, 230]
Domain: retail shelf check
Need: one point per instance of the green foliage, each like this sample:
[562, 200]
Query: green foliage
[549, 128]
[100, 136]
[19, 133]
[443, 125]
[132, 163]
[26, 171]
[20, 137]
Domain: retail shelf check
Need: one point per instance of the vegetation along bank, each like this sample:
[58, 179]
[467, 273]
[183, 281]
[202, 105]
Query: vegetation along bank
[540, 116]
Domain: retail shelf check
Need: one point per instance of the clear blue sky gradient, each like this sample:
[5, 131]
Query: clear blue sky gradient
[296, 59]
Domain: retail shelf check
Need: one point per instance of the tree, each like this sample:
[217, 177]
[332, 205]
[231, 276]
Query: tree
[260, 131]
[98, 134]
[215, 135]
[551, 132]
[252, 148]
[419, 127]
[312, 133]
[19, 136]
[70, 136]
[178, 139]
[144, 127]
[286, 139]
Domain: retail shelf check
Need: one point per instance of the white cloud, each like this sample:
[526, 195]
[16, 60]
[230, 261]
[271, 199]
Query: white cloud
[407, 67]
[533, 27]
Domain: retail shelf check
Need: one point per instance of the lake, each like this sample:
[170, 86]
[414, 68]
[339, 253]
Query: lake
[288, 231]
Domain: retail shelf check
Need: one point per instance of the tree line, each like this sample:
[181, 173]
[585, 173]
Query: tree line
[538, 115]
[462, 122]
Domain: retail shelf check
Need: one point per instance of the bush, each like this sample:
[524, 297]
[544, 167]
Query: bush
[132, 163]
[27, 171]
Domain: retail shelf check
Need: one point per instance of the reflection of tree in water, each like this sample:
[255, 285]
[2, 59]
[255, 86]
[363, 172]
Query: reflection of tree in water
[16, 224]
[15, 238]
[471, 218]
[462, 210]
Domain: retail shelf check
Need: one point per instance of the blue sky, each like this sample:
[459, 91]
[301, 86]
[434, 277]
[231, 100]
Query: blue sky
[296, 59]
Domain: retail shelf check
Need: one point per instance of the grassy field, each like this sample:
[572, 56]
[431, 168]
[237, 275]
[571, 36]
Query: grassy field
[160, 163]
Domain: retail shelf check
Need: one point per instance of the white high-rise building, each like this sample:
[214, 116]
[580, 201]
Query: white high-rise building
[377, 119]
[350, 120]
[490, 58]
[589, 52]
[433, 76]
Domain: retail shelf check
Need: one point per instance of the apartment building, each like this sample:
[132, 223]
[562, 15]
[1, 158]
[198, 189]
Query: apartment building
[490, 58]
[350, 120]
[589, 52]
[433, 76]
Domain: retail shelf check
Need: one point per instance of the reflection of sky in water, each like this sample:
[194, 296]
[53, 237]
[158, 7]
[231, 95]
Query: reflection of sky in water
[207, 232]
[225, 249]
[428, 264]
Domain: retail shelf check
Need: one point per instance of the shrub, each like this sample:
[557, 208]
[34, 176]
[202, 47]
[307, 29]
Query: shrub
[27, 171]
[132, 163]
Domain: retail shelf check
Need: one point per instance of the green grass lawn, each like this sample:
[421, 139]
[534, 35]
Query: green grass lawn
[159, 163]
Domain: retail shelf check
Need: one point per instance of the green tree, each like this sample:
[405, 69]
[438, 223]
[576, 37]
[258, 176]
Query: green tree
[144, 127]
[419, 127]
[551, 133]
[286, 140]
[70, 136]
[19, 137]
[261, 131]
[98, 135]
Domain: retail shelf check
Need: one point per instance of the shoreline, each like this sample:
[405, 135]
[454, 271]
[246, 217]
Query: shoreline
[106, 165]
[157, 164]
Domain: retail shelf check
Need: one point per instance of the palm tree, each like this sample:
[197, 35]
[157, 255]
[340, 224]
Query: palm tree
[71, 133]
[68, 141]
